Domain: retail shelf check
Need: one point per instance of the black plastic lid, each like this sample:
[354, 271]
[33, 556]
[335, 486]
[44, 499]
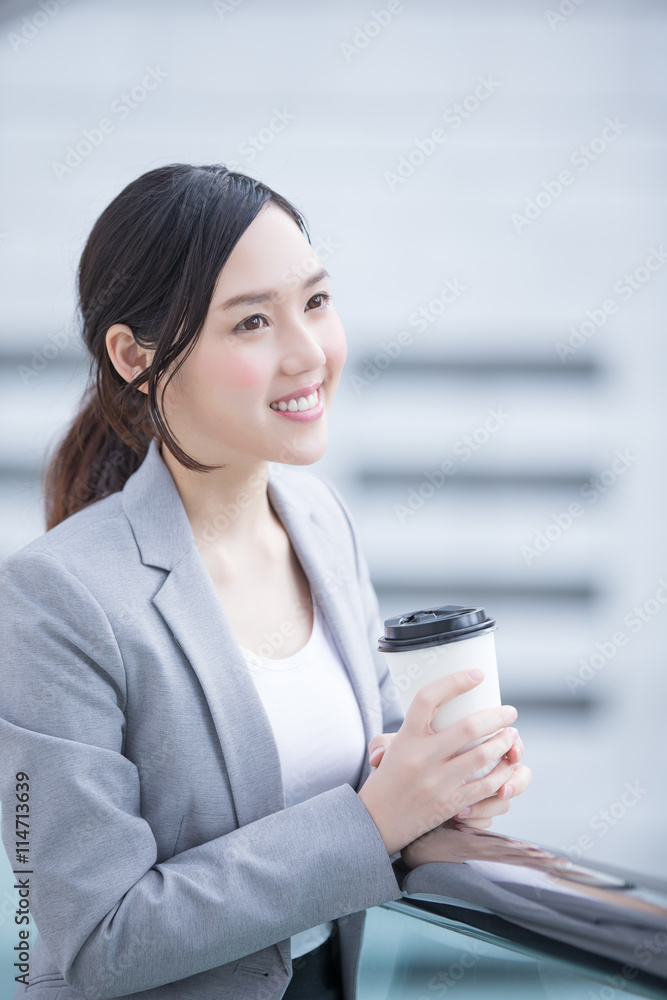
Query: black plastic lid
[433, 627]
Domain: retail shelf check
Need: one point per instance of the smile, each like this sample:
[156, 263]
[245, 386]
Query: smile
[300, 403]
[300, 407]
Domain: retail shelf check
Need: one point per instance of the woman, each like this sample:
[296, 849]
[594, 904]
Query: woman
[191, 676]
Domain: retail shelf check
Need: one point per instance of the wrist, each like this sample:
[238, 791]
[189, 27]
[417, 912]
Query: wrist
[375, 811]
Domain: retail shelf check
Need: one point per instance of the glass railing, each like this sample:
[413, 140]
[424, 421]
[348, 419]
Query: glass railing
[495, 917]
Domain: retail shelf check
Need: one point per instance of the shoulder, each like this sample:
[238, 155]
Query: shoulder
[101, 530]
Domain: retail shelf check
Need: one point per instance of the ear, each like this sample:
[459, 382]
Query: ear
[127, 357]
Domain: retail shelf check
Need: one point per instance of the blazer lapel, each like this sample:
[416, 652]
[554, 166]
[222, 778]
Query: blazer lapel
[319, 549]
[190, 606]
[189, 603]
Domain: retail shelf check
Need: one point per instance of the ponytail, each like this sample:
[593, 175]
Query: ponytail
[92, 460]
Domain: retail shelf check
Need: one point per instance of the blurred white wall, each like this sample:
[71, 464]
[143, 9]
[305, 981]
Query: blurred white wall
[536, 210]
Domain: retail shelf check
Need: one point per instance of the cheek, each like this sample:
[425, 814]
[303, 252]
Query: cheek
[233, 371]
[335, 346]
[243, 373]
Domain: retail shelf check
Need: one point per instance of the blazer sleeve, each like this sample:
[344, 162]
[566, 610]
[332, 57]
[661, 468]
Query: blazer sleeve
[392, 713]
[114, 920]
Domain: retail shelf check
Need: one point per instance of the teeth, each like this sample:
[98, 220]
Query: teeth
[300, 403]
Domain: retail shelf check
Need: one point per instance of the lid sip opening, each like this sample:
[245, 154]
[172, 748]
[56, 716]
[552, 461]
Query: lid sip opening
[434, 626]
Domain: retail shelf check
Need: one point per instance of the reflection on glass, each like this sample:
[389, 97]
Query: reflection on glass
[404, 958]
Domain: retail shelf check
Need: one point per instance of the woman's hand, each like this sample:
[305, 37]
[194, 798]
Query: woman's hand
[424, 777]
[480, 814]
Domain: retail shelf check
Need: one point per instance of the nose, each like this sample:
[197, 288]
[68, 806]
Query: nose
[302, 350]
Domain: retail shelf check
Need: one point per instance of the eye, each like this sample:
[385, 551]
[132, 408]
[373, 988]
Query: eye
[251, 324]
[324, 297]
[251, 319]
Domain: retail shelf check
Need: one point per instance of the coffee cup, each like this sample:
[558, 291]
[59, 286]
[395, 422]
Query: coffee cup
[422, 646]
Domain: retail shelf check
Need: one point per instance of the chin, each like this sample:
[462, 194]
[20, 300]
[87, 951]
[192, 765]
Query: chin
[292, 453]
[307, 461]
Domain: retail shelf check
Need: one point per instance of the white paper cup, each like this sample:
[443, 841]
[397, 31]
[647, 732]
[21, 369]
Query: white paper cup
[422, 646]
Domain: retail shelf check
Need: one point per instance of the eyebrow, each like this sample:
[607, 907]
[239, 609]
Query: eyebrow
[250, 298]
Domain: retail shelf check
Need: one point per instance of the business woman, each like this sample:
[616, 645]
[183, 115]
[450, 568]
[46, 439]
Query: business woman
[190, 675]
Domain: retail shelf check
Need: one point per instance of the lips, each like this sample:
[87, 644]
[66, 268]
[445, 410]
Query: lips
[306, 391]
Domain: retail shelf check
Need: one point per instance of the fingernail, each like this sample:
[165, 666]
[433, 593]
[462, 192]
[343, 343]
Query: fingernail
[464, 812]
[375, 752]
[509, 791]
[476, 674]
[513, 732]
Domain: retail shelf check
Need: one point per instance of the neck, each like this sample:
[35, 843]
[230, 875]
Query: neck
[228, 508]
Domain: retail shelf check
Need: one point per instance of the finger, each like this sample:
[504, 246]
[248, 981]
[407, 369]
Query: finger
[377, 747]
[489, 752]
[430, 697]
[381, 740]
[521, 777]
[515, 752]
[499, 803]
[486, 809]
[479, 824]
[475, 727]
[471, 792]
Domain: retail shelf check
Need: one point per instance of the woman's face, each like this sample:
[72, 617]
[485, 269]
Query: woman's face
[286, 339]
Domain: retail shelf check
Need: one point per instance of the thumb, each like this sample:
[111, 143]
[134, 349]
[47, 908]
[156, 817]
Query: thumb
[377, 747]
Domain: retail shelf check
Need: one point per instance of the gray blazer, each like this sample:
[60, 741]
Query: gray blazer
[161, 860]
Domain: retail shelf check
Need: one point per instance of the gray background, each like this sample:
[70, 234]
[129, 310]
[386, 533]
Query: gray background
[392, 246]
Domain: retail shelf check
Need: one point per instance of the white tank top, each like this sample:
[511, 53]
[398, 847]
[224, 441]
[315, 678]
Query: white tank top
[317, 726]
